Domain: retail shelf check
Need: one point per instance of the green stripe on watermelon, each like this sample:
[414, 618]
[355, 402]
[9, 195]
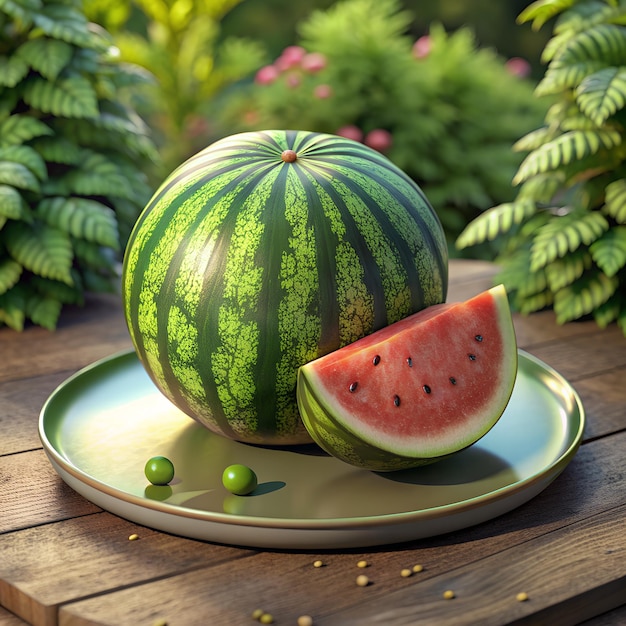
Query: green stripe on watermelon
[417, 391]
[244, 266]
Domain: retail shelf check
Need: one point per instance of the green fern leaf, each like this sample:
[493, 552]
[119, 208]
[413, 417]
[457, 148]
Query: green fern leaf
[95, 281]
[541, 11]
[535, 302]
[43, 250]
[583, 296]
[43, 310]
[12, 71]
[533, 284]
[602, 94]
[81, 218]
[68, 24]
[59, 150]
[13, 308]
[18, 175]
[46, 56]
[564, 271]
[73, 97]
[66, 294]
[499, 219]
[10, 272]
[541, 188]
[586, 14]
[565, 234]
[603, 42]
[571, 146]
[607, 313]
[609, 251]
[621, 320]
[21, 12]
[92, 255]
[561, 78]
[26, 156]
[12, 205]
[20, 128]
[534, 139]
[615, 200]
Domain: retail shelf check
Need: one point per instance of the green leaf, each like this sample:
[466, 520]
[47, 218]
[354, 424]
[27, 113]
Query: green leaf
[59, 150]
[10, 272]
[43, 310]
[13, 308]
[541, 11]
[12, 204]
[12, 70]
[20, 128]
[583, 296]
[585, 14]
[71, 97]
[565, 234]
[535, 302]
[541, 188]
[564, 271]
[26, 156]
[94, 256]
[602, 94]
[534, 139]
[68, 24]
[603, 42]
[46, 56]
[560, 78]
[42, 250]
[615, 200]
[66, 294]
[607, 312]
[81, 218]
[18, 175]
[499, 219]
[571, 146]
[609, 251]
[21, 11]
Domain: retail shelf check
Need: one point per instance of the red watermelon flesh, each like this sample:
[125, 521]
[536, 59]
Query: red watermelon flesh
[417, 390]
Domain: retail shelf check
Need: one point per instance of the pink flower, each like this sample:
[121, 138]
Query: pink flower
[323, 91]
[379, 139]
[292, 80]
[313, 62]
[518, 67]
[266, 75]
[290, 57]
[421, 48]
[350, 132]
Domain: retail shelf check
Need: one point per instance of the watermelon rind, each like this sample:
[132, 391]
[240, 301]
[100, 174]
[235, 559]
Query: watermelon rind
[265, 251]
[347, 437]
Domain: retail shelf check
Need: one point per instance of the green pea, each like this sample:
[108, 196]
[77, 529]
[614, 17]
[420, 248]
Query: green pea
[239, 479]
[159, 470]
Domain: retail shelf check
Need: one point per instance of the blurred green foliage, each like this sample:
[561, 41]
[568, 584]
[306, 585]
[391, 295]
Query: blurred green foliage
[442, 109]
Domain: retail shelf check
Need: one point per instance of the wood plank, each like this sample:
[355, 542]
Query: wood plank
[610, 618]
[290, 585]
[90, 555]
[10, 619]
[32, 493]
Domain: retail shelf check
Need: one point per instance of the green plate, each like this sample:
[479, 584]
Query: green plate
[101, 426]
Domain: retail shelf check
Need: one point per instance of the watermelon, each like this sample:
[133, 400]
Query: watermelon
[265, 251]
[417, 391]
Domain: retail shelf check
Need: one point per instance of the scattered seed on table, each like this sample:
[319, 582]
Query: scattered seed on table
[160, 622]
[418, 568]
[448, 594]
[133, 537]
[362, 564]
[405, 573]
[305, 620]
[362, 580]
[256, 614]
[522, 596]
[266, 618]
[318, 563]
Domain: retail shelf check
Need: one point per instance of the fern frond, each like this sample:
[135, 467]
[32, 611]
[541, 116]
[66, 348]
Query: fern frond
[534, 139]
[10, 272]
[72, 97]
[607, 313]
[586, 14]
[12, 71]
[13, 308]
[603, 42]
[66, 294]
[12, 205]
[572, 145]
[499, 219]
[564, 271]
[18, 175]
[565, 234]
[541, 11]
[42, 250]
[21, 12]
[47, 56]
[59, 150]
[68, 24]
[17, 129]
[81, 218]
[602, 94]
[28, 157]
[609, 251]
[535, 302]
[558, 79]
[92, 255]
[582, 297]
[615, 200]
[541, 188]
[43, 310]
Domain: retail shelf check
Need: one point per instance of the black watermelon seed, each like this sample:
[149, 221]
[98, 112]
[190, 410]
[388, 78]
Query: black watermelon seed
[376, 360]
[453, 380]
[353, 386]
[478, 338]
[410, 362]
[472, 357]
[426, 389]
[396, 400]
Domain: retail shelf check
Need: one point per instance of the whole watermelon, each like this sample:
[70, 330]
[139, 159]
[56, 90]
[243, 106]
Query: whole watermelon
[263, 252]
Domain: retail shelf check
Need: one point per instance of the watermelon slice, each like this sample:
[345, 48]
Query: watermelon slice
[415, 391]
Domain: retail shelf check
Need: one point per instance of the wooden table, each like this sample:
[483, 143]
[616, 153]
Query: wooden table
[65, 561]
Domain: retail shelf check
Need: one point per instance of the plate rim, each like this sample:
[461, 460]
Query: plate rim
[546, 474]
